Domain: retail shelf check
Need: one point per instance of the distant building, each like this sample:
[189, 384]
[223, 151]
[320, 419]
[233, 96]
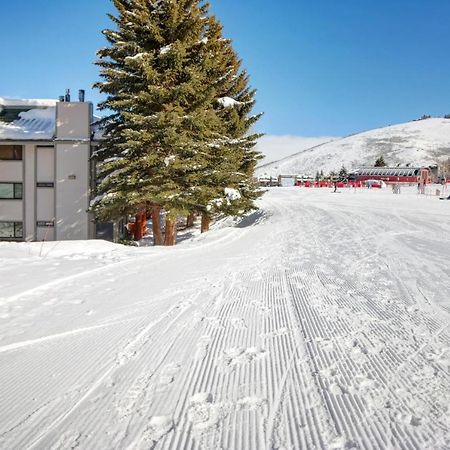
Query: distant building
[393, 174]
[287, 180]
[46, 172]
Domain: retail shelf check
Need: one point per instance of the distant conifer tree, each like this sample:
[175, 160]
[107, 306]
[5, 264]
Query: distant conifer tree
[380, 162]
[343, 173]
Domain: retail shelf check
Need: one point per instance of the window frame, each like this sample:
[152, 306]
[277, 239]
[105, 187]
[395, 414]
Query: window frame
[14, 190]
[16, 225]
[15, 148]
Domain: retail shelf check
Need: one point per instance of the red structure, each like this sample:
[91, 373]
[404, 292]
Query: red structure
[394, 174]
[329, 184]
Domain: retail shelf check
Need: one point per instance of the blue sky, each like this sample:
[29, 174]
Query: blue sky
[321, 67]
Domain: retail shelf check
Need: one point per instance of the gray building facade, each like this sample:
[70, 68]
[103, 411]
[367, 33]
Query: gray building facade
[46, 170]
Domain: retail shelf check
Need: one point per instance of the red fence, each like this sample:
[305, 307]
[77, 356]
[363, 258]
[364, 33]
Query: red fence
[330, 184]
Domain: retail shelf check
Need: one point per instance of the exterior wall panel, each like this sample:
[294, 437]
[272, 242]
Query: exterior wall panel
[45, 234]
[45, 164]
[45, 204]
[11, 170]
[72, 191]
[73, 121]
[11, 210]
[29, 157]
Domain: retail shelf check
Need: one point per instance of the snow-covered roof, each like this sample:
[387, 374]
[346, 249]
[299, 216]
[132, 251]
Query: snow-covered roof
[36, 123]
[21, 102]
[33, 119]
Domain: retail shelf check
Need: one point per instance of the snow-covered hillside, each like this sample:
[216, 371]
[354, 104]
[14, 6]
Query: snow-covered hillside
[321, 321]
[274, 148]
[422, 142]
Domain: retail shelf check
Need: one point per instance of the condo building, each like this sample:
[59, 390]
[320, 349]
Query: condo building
[46, 172]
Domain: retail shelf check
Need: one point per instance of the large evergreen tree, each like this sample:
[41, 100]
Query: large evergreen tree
[177, 136]
[225, 184]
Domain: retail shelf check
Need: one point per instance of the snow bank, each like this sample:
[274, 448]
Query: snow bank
[58, 249]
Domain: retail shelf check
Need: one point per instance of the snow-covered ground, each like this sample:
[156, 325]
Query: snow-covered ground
[419, 143]
[320, 321]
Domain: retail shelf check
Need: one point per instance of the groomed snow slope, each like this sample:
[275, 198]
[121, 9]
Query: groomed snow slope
[274, 148]
[320, 321]
[419, 143]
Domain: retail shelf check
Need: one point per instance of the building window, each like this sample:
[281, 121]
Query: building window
[11, 191]
[11, 230]
[11, 152]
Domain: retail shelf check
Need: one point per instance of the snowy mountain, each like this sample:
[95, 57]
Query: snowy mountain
[275, 148]
[423, 142]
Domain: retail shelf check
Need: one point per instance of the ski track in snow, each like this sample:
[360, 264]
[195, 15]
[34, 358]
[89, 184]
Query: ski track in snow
[325, 324]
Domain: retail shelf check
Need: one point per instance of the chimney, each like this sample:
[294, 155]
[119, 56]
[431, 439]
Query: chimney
[67, 96]
[81, 94]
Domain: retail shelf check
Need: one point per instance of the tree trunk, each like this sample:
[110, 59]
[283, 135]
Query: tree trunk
[190, 220]
[158, 238]
[144, 223]
[170, 237]
[205, 223]
[138, 229]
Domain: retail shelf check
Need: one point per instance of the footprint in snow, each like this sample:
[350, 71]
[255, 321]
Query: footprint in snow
[364, 385]
[238, 323]
[328, 373]
[158, 427]
[214, 322]
[253, 404]
[342, 443]
[325, 344]
[440, 356]
[409, 419]
[276, 333]
[335, 388]
[202, 348]
[204, 414]
[167, 376]
[238, 355]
